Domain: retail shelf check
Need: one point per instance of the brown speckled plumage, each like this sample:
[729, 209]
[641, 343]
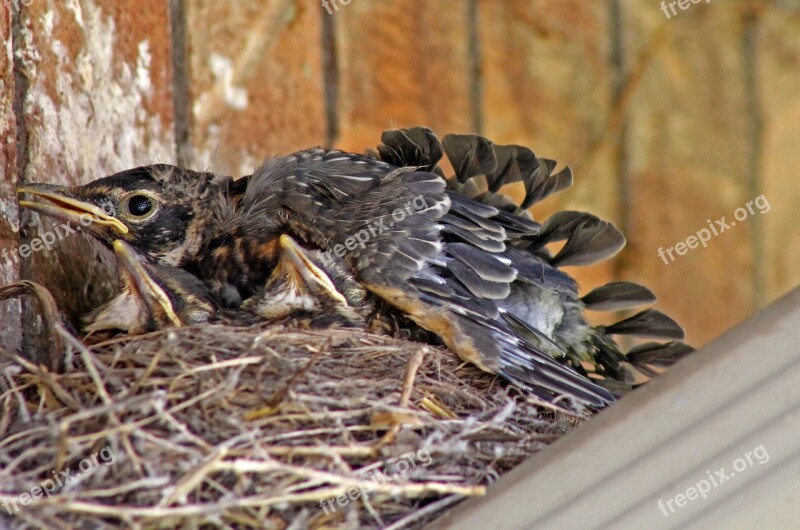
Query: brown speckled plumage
[399, 244]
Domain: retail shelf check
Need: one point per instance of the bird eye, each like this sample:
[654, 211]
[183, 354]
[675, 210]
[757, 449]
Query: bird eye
[140, 205]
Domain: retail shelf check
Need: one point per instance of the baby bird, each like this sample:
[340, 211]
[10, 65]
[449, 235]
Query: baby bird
[150, 297]
[153, 297]
[399, 243]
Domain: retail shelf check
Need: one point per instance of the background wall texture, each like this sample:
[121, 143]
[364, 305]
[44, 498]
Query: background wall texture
[671, 118]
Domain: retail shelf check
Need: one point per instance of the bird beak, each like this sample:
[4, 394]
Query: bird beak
[60, 205]
[295, 264]
[139, 281]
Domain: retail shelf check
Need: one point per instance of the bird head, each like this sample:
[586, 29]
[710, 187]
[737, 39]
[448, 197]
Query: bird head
[151, 297]
[159, 209]
[298, 287]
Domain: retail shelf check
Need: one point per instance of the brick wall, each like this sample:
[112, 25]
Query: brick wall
[667, 122]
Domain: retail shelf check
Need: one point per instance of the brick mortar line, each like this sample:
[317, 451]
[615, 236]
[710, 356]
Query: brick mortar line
[476, 67]
[180, 81]
[330, 72]
[755, 121]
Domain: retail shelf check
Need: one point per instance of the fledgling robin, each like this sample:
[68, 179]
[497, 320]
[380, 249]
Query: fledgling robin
[298, 289]
[461, 263]
[150, 297]
[153, 297]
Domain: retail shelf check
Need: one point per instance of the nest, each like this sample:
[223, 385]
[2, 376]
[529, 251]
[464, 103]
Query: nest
[256, 427]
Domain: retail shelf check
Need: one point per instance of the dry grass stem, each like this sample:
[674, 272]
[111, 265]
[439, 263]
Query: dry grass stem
[222, 426]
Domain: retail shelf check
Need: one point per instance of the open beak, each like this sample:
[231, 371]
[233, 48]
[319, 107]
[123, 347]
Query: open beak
[139, 280]
[59, 204]
[295, 263]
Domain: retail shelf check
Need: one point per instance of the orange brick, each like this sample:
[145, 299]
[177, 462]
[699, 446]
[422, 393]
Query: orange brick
[779, 89]
[256, 86]
[546, 75]
[401, 63]
[689, 163]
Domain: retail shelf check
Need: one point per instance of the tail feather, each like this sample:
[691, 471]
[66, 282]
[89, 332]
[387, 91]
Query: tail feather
[650, 323]
[654, 354]
[544, 183]
[416, 146]
[615, 296]
[470, 155]
[592, 241]
[498, 225]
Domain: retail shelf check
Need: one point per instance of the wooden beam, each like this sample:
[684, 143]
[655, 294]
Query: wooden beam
[734, 400]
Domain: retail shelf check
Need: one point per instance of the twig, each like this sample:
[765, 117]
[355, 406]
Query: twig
[428, 510]
[405, 396]
[89, 361]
